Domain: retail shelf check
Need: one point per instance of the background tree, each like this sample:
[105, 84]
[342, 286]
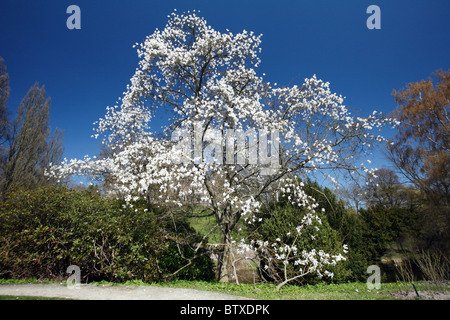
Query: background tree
[353, 195]
[421, 150]
[4, 95]
[384, 189]
[386, 227]
[30, 149]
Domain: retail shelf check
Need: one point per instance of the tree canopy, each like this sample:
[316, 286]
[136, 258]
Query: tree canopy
[243, 136]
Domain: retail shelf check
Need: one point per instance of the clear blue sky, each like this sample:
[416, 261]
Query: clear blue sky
[86, 70]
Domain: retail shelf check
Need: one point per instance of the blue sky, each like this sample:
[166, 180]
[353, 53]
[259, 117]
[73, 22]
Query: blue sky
[86, 70]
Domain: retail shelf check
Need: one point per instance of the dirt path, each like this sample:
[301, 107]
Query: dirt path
[94, 292]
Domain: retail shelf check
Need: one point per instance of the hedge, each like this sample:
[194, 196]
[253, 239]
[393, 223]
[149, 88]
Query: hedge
[45, 230]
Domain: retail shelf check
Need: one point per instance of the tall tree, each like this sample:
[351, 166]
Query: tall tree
[421, 149]
[229, 119]
[4, 95]
[383, 188]
[30, 147]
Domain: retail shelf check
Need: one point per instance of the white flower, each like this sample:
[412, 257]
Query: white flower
[225, 93]
[345, 247]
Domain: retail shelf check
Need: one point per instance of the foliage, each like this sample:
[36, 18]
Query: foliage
[278, 223]
[27, 147]
[4, 95]
[384, 189]
[384, 227]
[421, 147]
[44, 231]
[349, 229]
[421, 151]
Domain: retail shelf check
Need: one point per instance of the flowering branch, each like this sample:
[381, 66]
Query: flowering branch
[202, 76]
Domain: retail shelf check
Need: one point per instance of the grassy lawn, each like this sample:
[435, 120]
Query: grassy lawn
[28, 298]
[346, 291]
[265, 291]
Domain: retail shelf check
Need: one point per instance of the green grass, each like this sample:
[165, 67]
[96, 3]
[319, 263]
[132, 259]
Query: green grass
[265, 291]
[26, 281]
[205, 224]
[28, 298]
[347, 291]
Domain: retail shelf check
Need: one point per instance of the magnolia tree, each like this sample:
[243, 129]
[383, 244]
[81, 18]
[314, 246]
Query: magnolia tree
[232, 140]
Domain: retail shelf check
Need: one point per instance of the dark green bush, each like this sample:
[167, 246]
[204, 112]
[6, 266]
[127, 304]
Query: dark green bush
[43, 231]
[383, 227]
[280, 218]
[349, 226]
[339, 226]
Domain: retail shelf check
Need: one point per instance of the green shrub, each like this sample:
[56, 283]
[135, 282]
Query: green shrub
[339, 226]
[43, 231]
[383, 227]
[281, 218]
[349, 225]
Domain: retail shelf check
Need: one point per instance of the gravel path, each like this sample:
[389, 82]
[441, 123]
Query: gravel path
[94, 292]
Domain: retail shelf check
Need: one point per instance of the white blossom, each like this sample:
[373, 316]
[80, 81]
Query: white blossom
[201, 76]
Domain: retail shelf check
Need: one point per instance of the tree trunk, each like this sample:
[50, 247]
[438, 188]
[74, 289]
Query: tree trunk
[224, 270]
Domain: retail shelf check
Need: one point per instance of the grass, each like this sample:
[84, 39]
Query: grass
[346, 291]
[265, 291]
[28, 298]
[26, 281]
[205, 224]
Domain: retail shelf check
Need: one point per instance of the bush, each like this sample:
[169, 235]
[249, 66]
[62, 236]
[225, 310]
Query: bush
[383, 227]
[347, 224]
[43, 231]
[279, 219]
